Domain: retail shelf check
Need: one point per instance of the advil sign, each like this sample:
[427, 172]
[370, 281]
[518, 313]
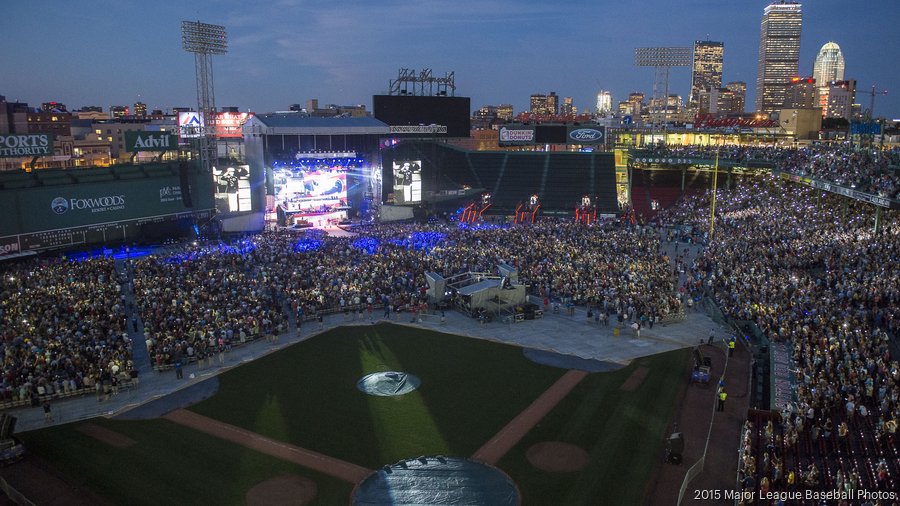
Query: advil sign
[149, 141]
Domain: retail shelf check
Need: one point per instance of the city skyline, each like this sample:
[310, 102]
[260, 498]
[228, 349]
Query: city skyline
[501, 52]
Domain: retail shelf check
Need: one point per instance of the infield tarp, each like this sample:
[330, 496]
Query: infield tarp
[438, 481]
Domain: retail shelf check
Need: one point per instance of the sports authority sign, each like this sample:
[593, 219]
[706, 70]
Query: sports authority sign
[26, 145]
[149, 141]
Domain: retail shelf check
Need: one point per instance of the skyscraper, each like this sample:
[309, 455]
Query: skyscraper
[567, 108]
[604, 103]
[828, 68]
[707, 68]
[829, 65]
[779, 54]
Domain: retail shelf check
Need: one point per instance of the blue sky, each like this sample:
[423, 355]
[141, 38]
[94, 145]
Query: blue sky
[287, 51]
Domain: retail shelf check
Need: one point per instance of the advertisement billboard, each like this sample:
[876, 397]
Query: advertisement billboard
[228, 124]
[67, 206]
[407, 181]
[586, 135]
[232, 188]
[26, 145]
[516, 136]
[454, 113]
[190, 124]
[136, 140]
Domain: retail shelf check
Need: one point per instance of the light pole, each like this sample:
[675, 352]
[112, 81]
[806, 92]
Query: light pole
[205, 40]
[712, 206]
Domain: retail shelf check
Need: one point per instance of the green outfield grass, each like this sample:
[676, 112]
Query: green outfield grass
[622, 431]
[306, 395]
[169, 464]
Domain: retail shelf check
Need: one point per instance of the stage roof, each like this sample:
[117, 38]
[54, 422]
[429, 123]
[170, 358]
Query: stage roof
[299, 124]
[477, 287]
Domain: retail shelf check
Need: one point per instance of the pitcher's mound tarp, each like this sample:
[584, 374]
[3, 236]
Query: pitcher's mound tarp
[570, 361]
[436, 480]
[388, 383]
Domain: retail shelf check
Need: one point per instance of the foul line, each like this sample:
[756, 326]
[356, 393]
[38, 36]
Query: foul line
[324, 464]
[509, 436]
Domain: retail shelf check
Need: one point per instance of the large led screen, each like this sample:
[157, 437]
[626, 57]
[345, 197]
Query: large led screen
[407, 181]
[311, 189]
[232, 188]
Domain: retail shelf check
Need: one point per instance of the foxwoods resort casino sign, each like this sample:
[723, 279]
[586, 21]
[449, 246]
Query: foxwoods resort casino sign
[62, 205]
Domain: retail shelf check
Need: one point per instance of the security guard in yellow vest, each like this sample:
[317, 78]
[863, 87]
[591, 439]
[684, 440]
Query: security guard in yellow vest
[722, 396]
[731, 346]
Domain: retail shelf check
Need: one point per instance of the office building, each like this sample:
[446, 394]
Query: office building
[839, 97]
[538, 104]
[706, 69]
[140, 109]
[637, 103]
[829, 64]
[567, 108]
[739, 96]
[545, 104]
[779, 54]
[828, 68]
[604, 103]
[118, 111]
[53, 106]
[552, 103]
[802, 93]
[505, 112]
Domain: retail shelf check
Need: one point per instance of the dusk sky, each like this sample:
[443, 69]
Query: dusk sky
[122, 51]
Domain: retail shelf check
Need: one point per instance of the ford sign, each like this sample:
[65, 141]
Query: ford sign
[586, 135]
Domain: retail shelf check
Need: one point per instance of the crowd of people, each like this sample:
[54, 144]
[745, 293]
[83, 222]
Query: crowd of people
[873, 171]
[201, 299]
[196, 302]
[807, 268]
[734, 152]
[62, 328]
[868, 171]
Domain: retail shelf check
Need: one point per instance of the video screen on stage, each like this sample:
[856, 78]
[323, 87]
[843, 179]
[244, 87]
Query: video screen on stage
[232, 188]
[407, 181]
[311, 188]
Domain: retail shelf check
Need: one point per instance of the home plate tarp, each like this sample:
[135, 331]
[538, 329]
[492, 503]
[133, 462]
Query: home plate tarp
[437, 480]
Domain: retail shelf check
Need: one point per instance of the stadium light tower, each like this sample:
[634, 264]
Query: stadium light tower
[205, 40]
[661, 59]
